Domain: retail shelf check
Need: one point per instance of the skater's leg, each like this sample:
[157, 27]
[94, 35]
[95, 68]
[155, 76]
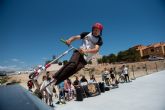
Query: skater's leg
[75, 64]
[72, 63]
[66, 75]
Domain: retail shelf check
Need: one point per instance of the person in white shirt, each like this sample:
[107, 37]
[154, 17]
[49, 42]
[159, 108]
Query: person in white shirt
[125, 72]
[48, 92]
[106, 76]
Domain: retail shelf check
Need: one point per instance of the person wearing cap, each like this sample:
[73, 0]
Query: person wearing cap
[91, 43]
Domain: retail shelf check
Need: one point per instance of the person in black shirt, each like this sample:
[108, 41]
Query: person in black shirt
[76, 83]
[83, 79]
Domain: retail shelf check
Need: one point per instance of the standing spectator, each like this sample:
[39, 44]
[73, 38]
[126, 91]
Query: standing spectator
[48, 76]
[48, 90]
[54, 91]
[115, 72]
[61, 93]
[68, 89]
[111, 71]
[106, 76]
[125, 72]
[43, 91]
[102, 75]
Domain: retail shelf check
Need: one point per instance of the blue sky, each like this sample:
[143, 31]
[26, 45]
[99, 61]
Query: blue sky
[30, 30]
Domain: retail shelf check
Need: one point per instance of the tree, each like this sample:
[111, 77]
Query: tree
[99, 61]
[133, 55]
[129, 55]
[122, 56]
[112, 58]
[105, 59]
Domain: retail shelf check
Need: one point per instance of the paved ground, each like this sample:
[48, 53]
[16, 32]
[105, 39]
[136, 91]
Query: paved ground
[144, 93]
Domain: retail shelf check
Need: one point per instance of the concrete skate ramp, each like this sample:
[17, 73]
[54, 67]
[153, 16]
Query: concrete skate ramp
[15, 97]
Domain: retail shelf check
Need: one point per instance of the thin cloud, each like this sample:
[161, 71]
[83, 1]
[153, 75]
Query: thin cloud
[8, 68]
[13, 64]
[15, 60]
[44, 58]
[22, 62]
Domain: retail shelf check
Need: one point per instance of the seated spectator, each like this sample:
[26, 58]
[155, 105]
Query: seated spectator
[92, 79]
[83, 80]
[77, 85]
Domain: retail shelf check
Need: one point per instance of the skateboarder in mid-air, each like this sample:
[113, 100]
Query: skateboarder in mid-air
[92, 41]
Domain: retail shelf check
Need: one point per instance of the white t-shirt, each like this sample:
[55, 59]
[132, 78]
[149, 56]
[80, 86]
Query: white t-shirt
[125, 70]
[89, 42]
[48, 89]
[106, 74]
[92, 81]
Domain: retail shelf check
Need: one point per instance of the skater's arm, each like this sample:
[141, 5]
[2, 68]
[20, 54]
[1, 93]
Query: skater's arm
[71, 39]
[94, 50]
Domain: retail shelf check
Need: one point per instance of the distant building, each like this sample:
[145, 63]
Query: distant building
[140, 49]
[156, 49]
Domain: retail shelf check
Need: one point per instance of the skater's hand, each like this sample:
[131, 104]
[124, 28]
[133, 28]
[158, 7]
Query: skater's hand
[82, 51]
[68, 42]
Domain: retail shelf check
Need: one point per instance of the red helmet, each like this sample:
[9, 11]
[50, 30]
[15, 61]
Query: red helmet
[98, 25]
